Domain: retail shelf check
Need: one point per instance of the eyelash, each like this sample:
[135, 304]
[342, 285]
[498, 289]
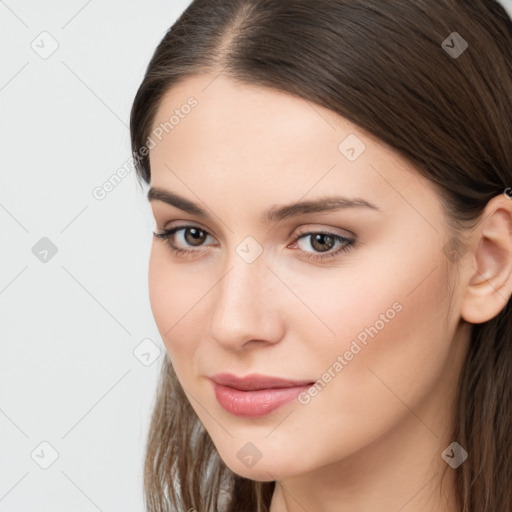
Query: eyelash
[349, 244]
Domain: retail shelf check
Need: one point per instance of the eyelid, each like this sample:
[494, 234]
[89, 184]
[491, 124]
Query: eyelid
[307, 228]
[189, 224]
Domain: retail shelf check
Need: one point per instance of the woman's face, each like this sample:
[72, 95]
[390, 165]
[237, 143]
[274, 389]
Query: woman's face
[365, 315]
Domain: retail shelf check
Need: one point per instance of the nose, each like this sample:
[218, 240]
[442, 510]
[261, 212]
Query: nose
[246, 306]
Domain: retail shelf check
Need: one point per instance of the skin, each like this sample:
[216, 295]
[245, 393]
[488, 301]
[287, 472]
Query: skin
[372, 438]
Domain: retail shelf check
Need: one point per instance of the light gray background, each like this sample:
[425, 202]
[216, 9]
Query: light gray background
[68, 327]
[79, 347]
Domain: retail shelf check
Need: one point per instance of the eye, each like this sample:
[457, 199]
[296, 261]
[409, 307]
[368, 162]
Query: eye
[322, 242]
[191, 235]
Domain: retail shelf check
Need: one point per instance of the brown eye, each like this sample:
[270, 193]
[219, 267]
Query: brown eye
[180, 238]
[322, 245]
[322, 241]
[197, 236]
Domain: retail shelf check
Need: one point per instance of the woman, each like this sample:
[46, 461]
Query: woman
[331, 270]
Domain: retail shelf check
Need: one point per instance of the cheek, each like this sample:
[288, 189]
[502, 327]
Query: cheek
[392, 303]
[394, 371]
[393, 347]
[160, 291]
[173, 296]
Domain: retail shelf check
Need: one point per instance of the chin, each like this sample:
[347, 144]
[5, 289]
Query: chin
[266, 469]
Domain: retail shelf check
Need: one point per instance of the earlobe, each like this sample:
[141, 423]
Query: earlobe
[489, 285]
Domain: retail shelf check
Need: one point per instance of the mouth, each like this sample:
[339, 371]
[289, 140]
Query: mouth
[256, 395]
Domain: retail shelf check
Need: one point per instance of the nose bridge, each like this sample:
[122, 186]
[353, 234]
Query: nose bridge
[242, 307]
[242, 287]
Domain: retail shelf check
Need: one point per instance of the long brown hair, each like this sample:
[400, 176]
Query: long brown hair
[381, 64]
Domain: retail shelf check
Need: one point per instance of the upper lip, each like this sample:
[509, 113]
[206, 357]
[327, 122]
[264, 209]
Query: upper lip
[256, 381]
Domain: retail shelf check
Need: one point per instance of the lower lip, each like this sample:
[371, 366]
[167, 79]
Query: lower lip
[251, 404]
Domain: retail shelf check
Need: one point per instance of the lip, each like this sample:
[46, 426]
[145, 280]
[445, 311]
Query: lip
[255, 395]
[256, 381]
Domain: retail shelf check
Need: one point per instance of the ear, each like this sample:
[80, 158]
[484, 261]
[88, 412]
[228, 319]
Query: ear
[489, 265]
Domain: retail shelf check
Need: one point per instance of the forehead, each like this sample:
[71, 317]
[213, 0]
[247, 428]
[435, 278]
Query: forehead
[245, 120]
[251, 138]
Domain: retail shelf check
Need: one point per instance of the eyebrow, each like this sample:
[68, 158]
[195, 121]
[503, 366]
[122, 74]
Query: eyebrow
[275, 214]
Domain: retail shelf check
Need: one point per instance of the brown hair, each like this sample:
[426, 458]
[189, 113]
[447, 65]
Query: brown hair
[380, 64]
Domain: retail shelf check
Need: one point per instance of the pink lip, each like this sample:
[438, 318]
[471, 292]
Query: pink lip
[255, 395]
[255, 381]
